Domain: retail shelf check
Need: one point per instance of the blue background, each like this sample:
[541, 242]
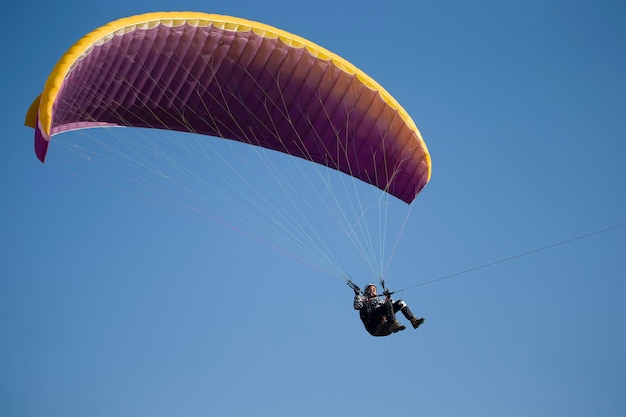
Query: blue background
[115, 306]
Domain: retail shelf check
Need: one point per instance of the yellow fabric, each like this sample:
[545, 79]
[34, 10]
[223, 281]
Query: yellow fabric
[31, 115]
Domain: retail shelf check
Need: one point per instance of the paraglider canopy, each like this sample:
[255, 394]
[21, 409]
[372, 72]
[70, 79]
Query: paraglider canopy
[236, 79]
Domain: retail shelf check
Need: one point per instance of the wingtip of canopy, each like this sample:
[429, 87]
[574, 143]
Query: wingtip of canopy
[31, 115]
[32, 120]
[41, 145]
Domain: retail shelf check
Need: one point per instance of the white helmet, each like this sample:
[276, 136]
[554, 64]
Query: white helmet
[367, 286]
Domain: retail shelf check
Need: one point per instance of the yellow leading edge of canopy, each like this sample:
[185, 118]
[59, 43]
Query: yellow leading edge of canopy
[43, 104]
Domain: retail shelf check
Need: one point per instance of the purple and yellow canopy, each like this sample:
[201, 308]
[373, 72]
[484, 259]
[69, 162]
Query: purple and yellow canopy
[236, 79]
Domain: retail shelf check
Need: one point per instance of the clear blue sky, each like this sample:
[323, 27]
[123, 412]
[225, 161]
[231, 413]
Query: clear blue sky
[116, 306]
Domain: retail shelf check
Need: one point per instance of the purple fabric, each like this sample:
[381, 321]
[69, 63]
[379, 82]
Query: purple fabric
[241, 86]
[41, 143]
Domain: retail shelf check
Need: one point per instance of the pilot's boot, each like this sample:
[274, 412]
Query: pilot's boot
[395, 326]
[416, 322]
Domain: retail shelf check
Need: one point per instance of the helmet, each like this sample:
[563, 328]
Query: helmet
[367, 286]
